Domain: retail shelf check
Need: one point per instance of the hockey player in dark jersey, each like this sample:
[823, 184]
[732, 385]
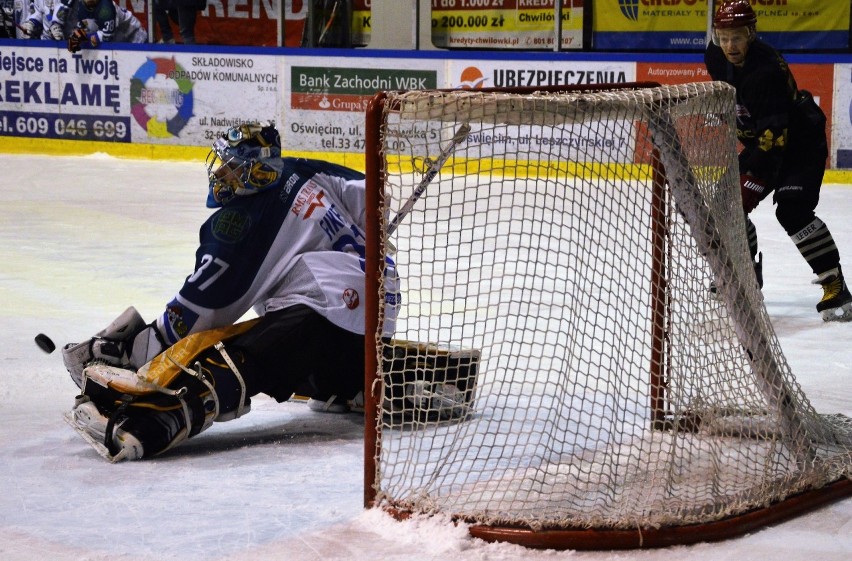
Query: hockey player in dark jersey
[782, 131]
[88, 23]
[287, 239]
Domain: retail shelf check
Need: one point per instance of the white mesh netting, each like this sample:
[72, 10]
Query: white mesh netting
[559, 360]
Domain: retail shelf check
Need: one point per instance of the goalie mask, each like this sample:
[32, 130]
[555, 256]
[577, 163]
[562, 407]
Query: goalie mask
[243, 161]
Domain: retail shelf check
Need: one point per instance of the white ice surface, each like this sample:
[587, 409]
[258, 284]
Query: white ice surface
[82, 238]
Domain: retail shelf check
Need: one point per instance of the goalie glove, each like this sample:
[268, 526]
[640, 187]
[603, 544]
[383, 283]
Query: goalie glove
[77, 38]
[753, 191]
[127, 342]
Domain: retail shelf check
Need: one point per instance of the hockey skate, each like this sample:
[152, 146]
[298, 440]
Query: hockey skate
[443, 399]
[332, 404]
[836, 303]
[92, 425]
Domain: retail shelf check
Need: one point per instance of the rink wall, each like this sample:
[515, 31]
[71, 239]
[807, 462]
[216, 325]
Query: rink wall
[154, 101]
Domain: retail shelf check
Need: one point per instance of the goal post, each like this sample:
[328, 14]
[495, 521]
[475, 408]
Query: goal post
[561, 374]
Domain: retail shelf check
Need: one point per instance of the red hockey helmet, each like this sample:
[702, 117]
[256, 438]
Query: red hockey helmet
[733, 14]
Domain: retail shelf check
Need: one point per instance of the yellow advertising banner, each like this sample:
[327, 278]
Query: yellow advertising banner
[505, 24]
[682, 24]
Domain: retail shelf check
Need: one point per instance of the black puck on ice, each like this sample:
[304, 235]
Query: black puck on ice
[44, 343]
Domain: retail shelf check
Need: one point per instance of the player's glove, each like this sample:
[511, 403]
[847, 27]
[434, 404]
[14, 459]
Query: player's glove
[77, 37]
[753, 191]
[28, 29]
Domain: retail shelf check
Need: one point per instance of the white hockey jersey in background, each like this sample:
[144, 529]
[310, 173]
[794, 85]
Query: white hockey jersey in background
[298, 242]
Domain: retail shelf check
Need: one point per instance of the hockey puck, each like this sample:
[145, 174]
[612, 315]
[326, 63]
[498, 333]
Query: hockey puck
[44, 343]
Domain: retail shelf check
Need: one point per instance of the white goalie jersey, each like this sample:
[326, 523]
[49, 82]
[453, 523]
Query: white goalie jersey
[300, 241]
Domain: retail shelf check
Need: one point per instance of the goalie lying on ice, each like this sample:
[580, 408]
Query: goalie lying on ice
[286, 240]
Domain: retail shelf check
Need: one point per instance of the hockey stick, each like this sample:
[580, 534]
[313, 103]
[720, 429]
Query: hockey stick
[431, 171]
[328, 24]
[711, 11]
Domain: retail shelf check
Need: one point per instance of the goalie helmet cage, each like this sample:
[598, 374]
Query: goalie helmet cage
[564, 243]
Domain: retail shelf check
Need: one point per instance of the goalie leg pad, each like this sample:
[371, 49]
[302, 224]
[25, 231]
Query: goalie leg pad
[157, 430]
[231, 374]
[173, 397]
[427, 383]
[125, 416]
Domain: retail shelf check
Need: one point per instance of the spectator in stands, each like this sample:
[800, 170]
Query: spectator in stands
[37, 24]
[183, 13]
[8, 20]
[93, 22]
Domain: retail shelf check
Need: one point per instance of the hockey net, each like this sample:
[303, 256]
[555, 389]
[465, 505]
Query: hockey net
[561, 374]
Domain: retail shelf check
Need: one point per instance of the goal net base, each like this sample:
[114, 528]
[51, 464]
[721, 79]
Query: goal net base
[735, 526]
